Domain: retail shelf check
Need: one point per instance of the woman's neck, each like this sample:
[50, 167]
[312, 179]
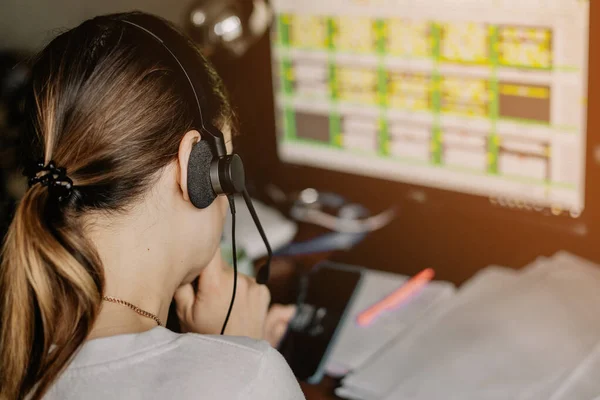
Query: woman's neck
[134, 254]
[114, 319]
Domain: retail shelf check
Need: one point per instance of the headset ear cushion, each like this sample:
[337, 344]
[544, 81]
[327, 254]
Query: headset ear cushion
[199, 183]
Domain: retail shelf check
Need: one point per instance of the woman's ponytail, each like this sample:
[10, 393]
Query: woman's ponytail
[50, 295]
[106, 106]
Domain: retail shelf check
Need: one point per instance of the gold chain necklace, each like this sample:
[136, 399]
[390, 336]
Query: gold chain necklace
[138, 310]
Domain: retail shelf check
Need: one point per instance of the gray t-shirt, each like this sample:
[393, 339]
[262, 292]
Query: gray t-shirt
[160, 364]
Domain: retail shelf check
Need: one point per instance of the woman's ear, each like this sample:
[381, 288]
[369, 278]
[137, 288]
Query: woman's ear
[183, 158]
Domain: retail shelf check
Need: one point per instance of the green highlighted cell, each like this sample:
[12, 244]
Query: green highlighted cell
[494, 48]
[492, 154]
[383, 137]
[382, 86]
[335, 130]
[283, 29]
[287, 76]
[331, 34]
[436, 146]
[332, 81]
[289, 117]
[380, 27]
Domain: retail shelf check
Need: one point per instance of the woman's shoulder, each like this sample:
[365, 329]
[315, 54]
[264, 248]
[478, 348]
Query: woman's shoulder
[229, 344]
[262, 369]
[271, 376]
[162, 346]
[179, 364]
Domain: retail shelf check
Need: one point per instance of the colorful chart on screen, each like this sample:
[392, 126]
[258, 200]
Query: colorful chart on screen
[487, 97]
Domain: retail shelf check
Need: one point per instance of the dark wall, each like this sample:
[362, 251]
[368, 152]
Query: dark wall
[29, 24]
[454, 233]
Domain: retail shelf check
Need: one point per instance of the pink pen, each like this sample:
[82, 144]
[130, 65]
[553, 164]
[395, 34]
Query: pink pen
[396, 298]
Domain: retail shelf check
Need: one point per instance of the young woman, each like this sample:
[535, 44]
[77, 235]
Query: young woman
[107, 236]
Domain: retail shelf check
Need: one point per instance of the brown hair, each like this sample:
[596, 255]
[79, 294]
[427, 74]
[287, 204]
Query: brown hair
[108, 105]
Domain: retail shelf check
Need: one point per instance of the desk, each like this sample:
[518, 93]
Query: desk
[322, 391]
[283, 283]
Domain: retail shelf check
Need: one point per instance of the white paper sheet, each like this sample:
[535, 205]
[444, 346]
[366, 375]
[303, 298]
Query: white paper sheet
[379, 376]
[506, 336]
[356, 344]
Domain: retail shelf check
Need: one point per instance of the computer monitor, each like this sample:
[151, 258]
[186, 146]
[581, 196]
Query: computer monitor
[485, 97]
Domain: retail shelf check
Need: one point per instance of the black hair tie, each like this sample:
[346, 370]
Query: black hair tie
[59, 185]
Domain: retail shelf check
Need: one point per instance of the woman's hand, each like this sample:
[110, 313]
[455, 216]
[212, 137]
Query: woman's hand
[204, 310]
[278, 319]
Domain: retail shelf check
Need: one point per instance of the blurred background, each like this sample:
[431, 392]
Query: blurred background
[450, 222]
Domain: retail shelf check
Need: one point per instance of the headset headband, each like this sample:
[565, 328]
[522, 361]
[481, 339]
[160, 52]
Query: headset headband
[186, 58]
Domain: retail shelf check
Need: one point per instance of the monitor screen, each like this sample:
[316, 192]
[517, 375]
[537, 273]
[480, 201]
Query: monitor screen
[486, 97]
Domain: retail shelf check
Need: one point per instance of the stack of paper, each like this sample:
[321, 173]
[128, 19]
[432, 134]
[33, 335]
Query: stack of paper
[356, 344]
[583, 382]
[525, 335]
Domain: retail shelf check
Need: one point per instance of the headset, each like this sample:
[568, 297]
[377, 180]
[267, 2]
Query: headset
[211, 171]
